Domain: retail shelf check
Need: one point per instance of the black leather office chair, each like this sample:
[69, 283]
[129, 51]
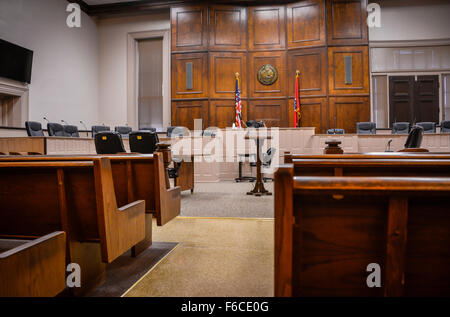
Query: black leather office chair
[99, 128]
[335, 131]
[71, 131]
[124, 131]
[56, 129]
[254, 124]
[175, 132]
[266, 161]
[148, 129]
[143, 142]
[109, 142]
[414, 139]
[209, 132]
[366, 128]
[428, 127]
[34, 128]
[445, 127]
[400, 128]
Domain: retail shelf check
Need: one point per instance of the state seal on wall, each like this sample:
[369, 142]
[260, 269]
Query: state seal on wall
[267, 74]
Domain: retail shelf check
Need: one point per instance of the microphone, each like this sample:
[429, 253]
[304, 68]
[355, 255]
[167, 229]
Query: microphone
[85, 127]
[46, 119]
[64, 122]
[388, 149]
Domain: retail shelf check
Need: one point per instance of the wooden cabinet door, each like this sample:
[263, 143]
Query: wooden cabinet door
[401, 98]
[426, 99]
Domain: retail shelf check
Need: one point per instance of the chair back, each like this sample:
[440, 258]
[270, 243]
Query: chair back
[400, 128]
[109, 142]
[366, 128]
[175, 131]
[143, 142]
[335, 131]
[72, 131]
[123, 131]
[148, 129]
[266, 158]
[414, 139]
[34, 128]
[428, 127]
[445, 127]
[99, 128]
[56, 129]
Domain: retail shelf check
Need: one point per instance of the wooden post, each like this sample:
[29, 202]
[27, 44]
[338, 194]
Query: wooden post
[164, 149]
[284, 226]
[394, 280]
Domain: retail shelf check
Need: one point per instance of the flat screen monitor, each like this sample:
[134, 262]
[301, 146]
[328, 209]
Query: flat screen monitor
[15, 62]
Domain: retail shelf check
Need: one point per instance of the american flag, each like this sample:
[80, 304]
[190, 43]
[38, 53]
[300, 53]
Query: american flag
[238, 105]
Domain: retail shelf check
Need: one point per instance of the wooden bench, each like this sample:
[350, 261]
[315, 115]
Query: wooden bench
[77, 197]
[136, 176]
[328, 230]
[33, 268]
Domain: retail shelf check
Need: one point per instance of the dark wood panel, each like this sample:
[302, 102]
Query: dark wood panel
[189, 28]
[222, 79]
[426, 99]
[199, 75]
[222, 113]
[273, 112]
[276, 59]
[306, 23]
[227, 28]
[345, 112]
[314, 113]
[359, 70]
[313, 65]
[266, 27]
[184, 113]
[346, 22]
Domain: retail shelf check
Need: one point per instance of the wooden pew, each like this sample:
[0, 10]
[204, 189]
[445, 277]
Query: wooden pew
[136, 176]
[33, 268]
[288, 156]
[77, 197]
[328, 230]
[372, 167]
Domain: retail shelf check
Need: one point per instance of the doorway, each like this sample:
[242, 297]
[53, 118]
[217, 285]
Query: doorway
[150, 83]
[414, 99]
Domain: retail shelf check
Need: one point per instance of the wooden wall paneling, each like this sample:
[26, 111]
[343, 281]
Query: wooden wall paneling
[199, 75]
[314, 113]
[184, 112]
[276, 59]
[359, 70]
[266, 27]
[227, 28]
[222, 113]
[222, 79]
[345, 112]
[306, 23]
[273, 111]
[313, 66]
[347, 22]
[189, 28]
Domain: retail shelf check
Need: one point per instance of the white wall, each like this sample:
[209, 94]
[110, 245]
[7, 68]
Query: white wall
[408, 20]
[113, 34]
[64, 83]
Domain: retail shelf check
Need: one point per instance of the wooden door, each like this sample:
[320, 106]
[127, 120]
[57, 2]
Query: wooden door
[412, 100]
[426, 99]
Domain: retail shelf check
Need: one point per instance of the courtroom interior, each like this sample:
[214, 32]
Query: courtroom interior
[230, 148]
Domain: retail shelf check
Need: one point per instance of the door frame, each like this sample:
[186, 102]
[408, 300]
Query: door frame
[412, 73]
[133, 75]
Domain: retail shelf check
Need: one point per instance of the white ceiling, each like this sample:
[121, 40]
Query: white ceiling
[96, 2]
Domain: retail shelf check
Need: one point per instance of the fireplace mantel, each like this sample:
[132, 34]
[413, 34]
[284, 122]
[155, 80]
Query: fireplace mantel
[14, 103]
